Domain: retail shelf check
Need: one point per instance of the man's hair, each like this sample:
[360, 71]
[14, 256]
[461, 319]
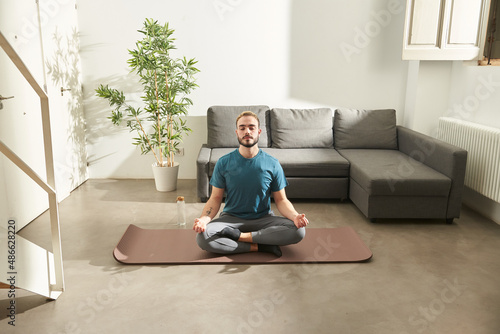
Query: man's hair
[248, 113]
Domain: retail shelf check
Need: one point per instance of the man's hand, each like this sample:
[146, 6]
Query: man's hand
[300, 220]
[200, 224]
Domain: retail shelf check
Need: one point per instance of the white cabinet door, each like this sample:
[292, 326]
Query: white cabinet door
[425, 23]
[444, 30]
[20, 117]
[23, 22]
[464, 23]
[62, 65]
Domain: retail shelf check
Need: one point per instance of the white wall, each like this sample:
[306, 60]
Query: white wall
[4, 205]
[348, 53]
[242, 50]
[475, 94]
[431, 91]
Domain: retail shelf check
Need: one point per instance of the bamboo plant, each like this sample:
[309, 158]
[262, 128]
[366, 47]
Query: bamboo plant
[166, 83]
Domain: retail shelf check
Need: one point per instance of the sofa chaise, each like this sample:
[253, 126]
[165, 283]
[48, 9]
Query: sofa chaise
[386, 170]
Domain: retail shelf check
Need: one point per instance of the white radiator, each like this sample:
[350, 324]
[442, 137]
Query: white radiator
[483, 158]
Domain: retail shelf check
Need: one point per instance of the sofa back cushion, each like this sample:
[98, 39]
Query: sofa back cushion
[301, 128]
[221, 125]
[363, 129]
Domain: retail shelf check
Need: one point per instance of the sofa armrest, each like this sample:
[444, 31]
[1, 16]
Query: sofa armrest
[202, 179]
[445, 158]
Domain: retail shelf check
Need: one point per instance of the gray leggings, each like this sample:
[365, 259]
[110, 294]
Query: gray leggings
[269, 230]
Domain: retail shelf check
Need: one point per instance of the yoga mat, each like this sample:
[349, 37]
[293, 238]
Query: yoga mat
[178, 246]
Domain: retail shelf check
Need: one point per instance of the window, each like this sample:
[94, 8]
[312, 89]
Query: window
[445, 29]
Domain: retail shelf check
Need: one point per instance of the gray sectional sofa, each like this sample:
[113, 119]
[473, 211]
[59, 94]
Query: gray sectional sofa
[386, 170]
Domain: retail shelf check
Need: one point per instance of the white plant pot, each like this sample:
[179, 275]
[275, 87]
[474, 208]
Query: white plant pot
[166, 177]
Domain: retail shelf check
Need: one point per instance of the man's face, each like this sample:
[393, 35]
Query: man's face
[248, 131]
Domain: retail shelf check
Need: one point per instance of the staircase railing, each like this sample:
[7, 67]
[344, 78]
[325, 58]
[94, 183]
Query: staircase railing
[57, 287]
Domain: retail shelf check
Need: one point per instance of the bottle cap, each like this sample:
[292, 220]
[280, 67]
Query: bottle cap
[180, 198]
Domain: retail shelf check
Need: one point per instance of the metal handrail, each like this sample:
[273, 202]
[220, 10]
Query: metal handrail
[49, 186]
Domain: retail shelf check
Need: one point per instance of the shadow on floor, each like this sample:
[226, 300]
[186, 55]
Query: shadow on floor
[22, 304]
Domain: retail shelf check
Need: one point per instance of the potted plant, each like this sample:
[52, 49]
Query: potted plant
[166, 83]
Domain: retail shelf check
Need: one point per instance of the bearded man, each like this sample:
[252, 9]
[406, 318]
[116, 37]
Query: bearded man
[248, 176]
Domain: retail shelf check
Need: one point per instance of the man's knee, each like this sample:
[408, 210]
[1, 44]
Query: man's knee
[209, 243]
[201, 240]
[300, 234]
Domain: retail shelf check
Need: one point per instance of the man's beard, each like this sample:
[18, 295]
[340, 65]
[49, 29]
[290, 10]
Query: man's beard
[242, 142]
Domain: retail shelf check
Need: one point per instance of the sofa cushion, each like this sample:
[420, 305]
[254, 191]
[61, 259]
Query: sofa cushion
[311, 162]
[221, 125]
[314, 162]
[301, 128]
[365, 129]
[392, 173]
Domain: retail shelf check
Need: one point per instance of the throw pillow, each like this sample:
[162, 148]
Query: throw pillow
[221, 123]
[301, 128]
[365, 129]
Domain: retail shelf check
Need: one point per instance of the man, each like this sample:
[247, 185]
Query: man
[248, 175]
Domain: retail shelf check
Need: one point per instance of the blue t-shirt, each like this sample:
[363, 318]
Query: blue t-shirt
[248, 183]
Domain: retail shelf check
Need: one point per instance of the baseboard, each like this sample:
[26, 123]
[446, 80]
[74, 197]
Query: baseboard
[481, 204]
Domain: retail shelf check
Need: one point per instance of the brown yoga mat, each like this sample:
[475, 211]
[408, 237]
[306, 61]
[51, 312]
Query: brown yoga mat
[178, 246]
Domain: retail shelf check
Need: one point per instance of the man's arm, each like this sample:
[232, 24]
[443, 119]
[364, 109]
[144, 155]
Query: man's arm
[210, 210]
[285, 207]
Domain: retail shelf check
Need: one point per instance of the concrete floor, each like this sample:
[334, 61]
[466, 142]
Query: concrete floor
[424, 277]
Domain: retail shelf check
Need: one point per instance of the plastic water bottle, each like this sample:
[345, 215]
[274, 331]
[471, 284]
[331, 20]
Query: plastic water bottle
[181, 211]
